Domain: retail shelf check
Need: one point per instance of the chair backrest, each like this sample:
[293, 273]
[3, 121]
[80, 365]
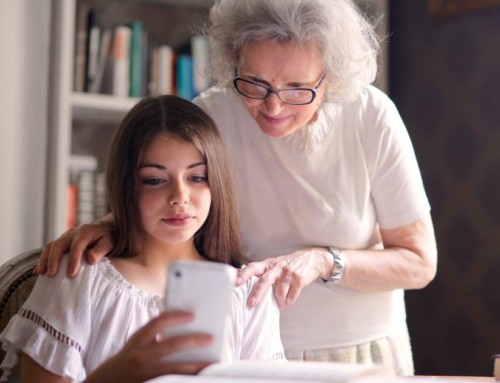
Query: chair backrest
[16, 282]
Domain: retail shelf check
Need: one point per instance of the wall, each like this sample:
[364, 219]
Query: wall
[24, 43]
[445, 80]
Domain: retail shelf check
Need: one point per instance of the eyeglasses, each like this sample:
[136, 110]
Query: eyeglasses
[292, 96]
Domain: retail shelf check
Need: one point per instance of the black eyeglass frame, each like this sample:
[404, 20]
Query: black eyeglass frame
[314, 91]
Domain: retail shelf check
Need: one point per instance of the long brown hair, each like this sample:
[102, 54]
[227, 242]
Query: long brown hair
[218, 238]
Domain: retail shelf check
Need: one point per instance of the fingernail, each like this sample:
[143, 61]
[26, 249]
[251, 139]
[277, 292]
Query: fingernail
[251, 302]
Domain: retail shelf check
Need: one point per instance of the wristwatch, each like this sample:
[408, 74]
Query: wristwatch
[338, 265]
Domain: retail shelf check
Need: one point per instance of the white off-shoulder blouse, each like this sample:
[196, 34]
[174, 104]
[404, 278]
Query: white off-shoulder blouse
[70, 326]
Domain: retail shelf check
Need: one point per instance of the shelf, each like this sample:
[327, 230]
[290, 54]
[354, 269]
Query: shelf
[101, 108]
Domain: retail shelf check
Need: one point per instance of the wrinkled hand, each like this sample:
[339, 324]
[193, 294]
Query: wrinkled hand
[92, 240]
[287, 274]
[143, 356]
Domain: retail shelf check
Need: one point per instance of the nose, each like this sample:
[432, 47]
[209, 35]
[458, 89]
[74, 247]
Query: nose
[273, 103]
[178, 194]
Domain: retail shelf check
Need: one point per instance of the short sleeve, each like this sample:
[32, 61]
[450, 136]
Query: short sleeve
[397, 187]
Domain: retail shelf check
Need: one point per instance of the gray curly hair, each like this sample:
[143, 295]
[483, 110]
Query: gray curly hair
[347, 40]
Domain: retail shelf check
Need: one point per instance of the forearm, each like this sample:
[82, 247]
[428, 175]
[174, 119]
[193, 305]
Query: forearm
[408, 261]
[388, 269]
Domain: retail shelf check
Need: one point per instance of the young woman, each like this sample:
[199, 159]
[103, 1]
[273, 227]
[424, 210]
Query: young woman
[170, 192]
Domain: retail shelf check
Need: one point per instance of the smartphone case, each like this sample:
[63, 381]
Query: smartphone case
[205, 289]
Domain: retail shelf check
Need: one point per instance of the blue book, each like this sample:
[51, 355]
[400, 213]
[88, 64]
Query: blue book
[185, 88]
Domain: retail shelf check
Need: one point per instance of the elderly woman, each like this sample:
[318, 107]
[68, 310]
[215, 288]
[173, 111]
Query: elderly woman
[333, 211]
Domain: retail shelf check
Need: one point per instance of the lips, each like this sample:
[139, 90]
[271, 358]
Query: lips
[179, 219]
[274, 120]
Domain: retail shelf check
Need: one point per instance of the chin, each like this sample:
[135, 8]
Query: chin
[276, 132]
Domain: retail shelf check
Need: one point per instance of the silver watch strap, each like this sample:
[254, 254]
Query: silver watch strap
[338, 265]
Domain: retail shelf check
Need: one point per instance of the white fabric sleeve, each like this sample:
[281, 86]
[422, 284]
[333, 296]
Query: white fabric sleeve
[54, 325]
[397, 187]
[257, 330]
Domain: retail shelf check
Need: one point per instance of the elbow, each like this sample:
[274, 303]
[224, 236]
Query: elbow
[428, 275]
[428, 272]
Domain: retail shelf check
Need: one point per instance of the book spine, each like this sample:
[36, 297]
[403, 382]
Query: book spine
[147, 49]
[102, 61]
[100, 198]
[121, 61]
[185, 77]
[199, 51]
[165, 69]
[136, 67]
[90, 26]
[81, 186]
[85, 213]
[80, 47]
[93, 57]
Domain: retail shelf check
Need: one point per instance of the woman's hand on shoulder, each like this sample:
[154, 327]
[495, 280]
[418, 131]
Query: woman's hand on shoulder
[143, 356]
[90, 240]
[286, 274]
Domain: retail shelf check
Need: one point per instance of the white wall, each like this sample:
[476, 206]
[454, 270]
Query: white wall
[24, 47]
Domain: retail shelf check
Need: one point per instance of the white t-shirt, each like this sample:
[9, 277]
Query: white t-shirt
[334, 183]
[71, 326]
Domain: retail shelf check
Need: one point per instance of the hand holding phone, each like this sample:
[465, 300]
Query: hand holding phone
[204, 289]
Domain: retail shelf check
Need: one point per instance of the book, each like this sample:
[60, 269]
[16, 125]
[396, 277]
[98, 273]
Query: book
[81, 189]
[82, 14]
[121, 61]
[91, 47]
[148, 43]
[93, 56]
[199, 51]
[164, 69]
[136, 59]
[102, 60]
[85, 205]
[100, 199]
[280, 372]
[184, 70]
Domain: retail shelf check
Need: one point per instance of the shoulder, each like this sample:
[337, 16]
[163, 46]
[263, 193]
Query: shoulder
[242, 292]
[371, 102]
[213, 98]
[85, 279]
[372, 115]
[222, 104]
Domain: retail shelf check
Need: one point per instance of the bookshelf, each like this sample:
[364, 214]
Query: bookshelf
[76, 114]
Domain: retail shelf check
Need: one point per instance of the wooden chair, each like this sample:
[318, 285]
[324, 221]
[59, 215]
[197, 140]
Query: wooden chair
[16, 282]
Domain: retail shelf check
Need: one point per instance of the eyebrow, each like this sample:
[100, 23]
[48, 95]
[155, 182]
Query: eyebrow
[161, 167]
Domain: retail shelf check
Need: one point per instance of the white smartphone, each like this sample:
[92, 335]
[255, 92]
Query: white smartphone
[205, 289]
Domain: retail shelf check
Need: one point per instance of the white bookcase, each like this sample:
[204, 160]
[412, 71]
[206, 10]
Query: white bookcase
[68, 107]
